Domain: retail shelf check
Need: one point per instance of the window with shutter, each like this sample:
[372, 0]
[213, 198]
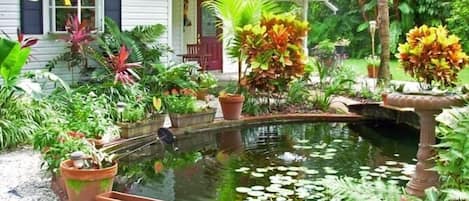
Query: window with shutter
[31, 17]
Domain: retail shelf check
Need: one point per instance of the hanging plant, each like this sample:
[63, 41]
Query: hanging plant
[432, 55]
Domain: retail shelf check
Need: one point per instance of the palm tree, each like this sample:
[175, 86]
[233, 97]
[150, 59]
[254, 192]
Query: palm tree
[383, 19]
[234, 14]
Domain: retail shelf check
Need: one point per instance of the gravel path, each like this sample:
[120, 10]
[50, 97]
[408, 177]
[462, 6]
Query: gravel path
[21, 177]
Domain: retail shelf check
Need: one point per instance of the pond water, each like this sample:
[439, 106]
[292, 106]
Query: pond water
[258, 163]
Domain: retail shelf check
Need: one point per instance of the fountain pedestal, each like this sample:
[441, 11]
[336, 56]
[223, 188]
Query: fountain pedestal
[427, 107]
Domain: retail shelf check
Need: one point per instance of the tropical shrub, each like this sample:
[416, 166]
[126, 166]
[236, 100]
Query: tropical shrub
[458, 22]
[273, 51]
[78, 41]
[177, 78]
[141, 43]
[432, 55]
[451, 161]
[87, 114]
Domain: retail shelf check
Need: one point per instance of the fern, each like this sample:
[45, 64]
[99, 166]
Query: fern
[350, 189]
[148, 33]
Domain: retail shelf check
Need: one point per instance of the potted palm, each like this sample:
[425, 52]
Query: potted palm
[372, 65]
[184, 111]
[235, 14]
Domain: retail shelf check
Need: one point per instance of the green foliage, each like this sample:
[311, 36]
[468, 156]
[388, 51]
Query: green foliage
[298, 92]
[12, 59]
[451, 161]
[180, 104]
[458, 23]
[373, 60]
[85, 113]
[177, 77]
[20, 118]
[133, 113]
[234, 14]
[350, 189]
[207, 80]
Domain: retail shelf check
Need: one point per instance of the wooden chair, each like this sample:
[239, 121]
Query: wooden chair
[194, 53]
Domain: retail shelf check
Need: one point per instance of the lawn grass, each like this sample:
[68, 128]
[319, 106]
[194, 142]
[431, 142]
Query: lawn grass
[359, 66]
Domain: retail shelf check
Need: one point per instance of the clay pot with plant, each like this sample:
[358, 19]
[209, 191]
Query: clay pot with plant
[87, 174]
[205, 81]
[372, 65]
[232, 15]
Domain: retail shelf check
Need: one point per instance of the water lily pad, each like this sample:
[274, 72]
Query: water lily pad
[273, 189]
[286, 192]
[292, 173]
[242, 190]
[257, 188]
[242, 169]
[391, 163]
[310, 171]
[255, 193]
[365, 167]
[304, 141]
[294, 168]
[256, 174]
[262, 170]
[282, 168]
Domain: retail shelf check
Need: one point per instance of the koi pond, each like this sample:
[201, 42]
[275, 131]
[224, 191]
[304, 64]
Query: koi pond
[270, 162]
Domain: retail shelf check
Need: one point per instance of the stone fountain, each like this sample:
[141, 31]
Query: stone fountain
[427, 107]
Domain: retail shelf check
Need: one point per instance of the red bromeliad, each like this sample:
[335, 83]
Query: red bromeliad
[79, 34]
[25, 42]
[122, 70]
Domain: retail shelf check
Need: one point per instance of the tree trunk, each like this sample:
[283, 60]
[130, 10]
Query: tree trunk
[383, 18]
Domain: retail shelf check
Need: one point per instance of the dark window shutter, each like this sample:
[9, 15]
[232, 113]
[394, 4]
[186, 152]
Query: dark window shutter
[31, 17]
[112, 9]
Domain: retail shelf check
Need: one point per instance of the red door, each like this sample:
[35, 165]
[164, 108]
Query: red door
[208, 37]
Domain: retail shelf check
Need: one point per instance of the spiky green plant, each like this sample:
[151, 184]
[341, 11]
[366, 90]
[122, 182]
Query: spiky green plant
[20, 117]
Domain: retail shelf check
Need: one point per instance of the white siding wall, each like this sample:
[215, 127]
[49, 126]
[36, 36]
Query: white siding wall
[134, 12]
[177, 32]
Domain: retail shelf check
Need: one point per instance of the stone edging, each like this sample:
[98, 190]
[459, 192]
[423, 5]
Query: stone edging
[219, 123]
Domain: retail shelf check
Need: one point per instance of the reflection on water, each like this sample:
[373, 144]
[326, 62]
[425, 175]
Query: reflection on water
[211, 166]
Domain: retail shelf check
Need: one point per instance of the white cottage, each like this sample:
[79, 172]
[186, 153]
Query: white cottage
[43, 18]
[186, 21]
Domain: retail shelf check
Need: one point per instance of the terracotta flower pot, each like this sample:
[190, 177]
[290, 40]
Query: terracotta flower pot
[384, 98]
[118, 196]
[85, 184]
[372, 71]
[231, 106]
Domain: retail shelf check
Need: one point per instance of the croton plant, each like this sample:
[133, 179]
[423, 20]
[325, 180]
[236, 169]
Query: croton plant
[431, 55]
[273, 51]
